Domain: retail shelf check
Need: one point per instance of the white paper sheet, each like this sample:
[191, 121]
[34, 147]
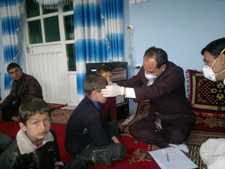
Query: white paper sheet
[172, 158]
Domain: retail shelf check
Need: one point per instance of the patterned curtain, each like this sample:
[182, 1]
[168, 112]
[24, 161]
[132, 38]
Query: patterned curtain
[10, 38]
[99, 34]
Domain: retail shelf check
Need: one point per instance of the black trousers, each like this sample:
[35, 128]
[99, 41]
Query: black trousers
[173, 130]
[9, 111]
[5, 141]
[97, 155]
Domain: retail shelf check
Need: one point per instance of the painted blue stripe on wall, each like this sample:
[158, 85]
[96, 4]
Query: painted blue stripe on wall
[9, 53]
[80, 83]
[90, 50]
[10, 24]
[10, 2]
[7, 81]
[87, 15]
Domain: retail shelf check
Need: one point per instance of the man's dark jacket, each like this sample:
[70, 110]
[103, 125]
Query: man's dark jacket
[168, 104]
[27, 86]
[166, 94]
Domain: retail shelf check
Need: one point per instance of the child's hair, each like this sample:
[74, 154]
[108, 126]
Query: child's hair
[94, 82]
[31, 107]
[102, 69]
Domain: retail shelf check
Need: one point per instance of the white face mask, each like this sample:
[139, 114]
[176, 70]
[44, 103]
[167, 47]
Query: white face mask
[150, 77]
[208, 73]
[109, 82]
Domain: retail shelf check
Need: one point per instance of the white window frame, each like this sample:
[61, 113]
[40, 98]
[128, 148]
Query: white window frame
[61, 14]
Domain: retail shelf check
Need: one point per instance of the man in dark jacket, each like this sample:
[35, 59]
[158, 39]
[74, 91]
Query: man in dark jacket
[88, 139]
[162, 83]
[24, 86]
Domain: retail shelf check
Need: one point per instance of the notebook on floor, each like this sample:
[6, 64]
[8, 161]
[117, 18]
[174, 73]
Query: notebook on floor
[172, 158]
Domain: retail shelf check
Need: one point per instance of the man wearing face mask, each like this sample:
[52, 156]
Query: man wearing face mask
[162, 83]
[214, 59]
[212, 150]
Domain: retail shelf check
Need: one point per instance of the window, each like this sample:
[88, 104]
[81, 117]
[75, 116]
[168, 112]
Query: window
[51, 29]
[52, 25]
[35, 31]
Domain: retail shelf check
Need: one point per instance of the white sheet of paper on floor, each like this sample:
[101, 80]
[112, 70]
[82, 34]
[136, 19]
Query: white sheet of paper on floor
[172, 158]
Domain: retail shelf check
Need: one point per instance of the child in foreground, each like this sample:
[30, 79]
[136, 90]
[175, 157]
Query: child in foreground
[35, 146]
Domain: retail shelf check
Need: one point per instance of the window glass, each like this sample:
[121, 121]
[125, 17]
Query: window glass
[71, 61]
[47, 10]
[32, 9]
[34, 28]
[51, 26]
[68, 7]
[69, 28]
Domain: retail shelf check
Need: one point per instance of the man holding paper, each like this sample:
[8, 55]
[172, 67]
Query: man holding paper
[162, 83]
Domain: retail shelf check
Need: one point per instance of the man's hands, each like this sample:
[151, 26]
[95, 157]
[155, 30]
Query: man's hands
[113, 90]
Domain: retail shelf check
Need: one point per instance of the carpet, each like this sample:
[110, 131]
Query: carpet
[131, 145]
[195, 157]
[196, 138]
[60, 116]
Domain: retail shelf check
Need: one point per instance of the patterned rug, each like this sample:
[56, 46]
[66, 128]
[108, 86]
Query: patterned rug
[195, 157]
[60, 116]
[197, 137]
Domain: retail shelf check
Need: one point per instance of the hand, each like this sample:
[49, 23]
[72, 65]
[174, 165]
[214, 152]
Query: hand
[113, 90]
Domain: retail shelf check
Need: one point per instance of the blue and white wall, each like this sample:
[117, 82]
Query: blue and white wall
[181, 27]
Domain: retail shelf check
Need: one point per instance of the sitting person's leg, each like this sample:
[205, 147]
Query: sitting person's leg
[4, 142]
[145, 130]
[8, 112]
[177, 131]
[98, 155]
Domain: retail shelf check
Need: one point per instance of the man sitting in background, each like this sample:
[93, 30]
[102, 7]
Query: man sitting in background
[24, 86]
